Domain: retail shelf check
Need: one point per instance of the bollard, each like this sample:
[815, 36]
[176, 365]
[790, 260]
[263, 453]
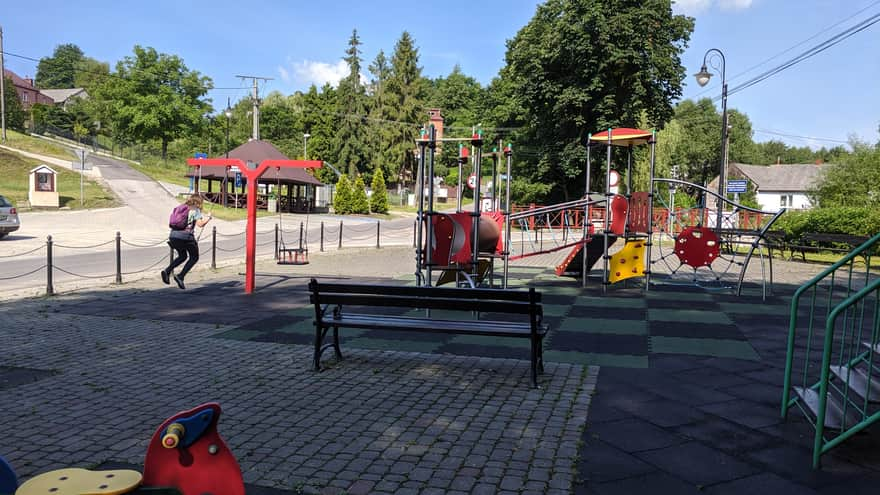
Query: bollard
[322, 236]
[276, 242]
[118, 258]
[340, 235]
[301, 235]
[214, 248]
[377, 234]
[49, 290]
[414, 234]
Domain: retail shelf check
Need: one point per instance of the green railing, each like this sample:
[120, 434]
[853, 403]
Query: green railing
[834, 326]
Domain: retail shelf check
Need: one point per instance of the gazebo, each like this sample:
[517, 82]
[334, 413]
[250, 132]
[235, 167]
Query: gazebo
[297, 197]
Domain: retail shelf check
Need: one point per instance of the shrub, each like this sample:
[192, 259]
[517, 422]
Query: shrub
[359, 203]
[343, 196]
[379, 199]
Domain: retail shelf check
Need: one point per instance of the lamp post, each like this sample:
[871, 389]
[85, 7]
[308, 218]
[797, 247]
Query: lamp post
[228, 114]
[306, 137]
[712, 56]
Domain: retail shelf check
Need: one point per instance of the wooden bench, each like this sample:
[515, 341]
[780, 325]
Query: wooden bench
[816, 241]
[367, 306]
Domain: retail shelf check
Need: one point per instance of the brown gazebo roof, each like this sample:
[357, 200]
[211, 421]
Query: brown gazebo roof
[256, 151]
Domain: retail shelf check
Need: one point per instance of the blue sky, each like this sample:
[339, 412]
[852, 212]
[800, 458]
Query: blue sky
[825, 99]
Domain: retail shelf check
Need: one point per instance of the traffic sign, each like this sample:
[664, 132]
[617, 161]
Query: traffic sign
[472, 181]
[201, 155]
[238, 179]
[737, 185]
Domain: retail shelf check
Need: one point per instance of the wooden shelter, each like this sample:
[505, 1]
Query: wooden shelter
[294, 188]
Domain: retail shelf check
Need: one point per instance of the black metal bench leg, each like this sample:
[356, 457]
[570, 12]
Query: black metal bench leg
[336, 344]
[534, 364]
[318, 339]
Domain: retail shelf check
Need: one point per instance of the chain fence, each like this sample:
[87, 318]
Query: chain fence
[338, 234]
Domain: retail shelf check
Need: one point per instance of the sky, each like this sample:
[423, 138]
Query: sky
[824, 100]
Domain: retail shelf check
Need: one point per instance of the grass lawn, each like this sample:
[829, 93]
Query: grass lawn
[14, 169]
[24, 142]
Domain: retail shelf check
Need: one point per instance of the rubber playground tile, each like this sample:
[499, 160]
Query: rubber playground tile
[488, 341]
[611, 302]
[378, 344]
[623, 313]
[558, 310]
[635, 435]
[283, 338]
[664, 293]
[490, 351]
[703, 347]
[688, 315]
[605, 462]
[760, 483]
[603, 325]
[654, 483]
[697, 463]
[747, 413]
[754, 308]
[632, 345]
[595, 358]
[695, 330]
[557, 300]
[679, 304]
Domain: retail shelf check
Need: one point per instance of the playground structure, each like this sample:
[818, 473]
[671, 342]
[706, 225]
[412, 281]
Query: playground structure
[253, 172]
[463, 246]
[185, 455]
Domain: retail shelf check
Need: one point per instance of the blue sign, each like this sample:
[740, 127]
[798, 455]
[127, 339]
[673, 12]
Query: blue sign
[737, 186]
[201, 155]
[238, 179]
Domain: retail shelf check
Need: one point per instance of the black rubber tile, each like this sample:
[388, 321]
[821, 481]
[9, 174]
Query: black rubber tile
[760, 393]
[727, 436]
[697, 464]
[746, 413]
[634, 313]
[485, 351]
[666, 413]
[599, 343]
[656, 483]
[634, 435]
[730, 365]
[600, 461]
[673, 363]
[760, 483]
[285, 338]
[694, 395]
[695, 330]
[560, 299]
[271, 323]
[717, 380]
[795, 463]
[664, 303]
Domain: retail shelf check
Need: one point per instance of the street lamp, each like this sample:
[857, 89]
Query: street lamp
[306, 137]
[228, 114]
[712, 56]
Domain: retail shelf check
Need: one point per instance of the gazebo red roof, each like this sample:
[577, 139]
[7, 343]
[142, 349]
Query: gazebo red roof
[623, 136]
[256, 151]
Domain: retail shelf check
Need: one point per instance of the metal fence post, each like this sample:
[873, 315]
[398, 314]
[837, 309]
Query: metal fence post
[377, 234]
[118, 258]
[322, 236]
[50, 291]
[414, 234]
[276, 241]
[301, 236]
[214, 248]
[340, 235]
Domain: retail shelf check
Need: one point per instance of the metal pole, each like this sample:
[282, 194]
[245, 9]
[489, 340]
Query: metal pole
[322, 236]
[377, 234]
[277, 247]
[2, 91]
[118, 258]
[214, 247]
[82, 171]
[429, 180]
[340, 235]
[650, 242]
[460, 191]
[300, 236]
[50, 291]
[420, 189]
[508, 153]
[477, 141]
[722, 174]
[587, 221]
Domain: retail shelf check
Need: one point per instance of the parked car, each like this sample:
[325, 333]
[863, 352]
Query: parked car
[8, 217]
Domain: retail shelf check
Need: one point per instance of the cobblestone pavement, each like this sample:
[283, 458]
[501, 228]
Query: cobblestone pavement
[96, 386]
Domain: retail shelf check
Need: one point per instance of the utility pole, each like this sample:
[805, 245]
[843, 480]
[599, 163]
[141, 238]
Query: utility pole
[256, 101]
[2, 91]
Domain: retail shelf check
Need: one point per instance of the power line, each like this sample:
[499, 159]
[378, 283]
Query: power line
[813, 138]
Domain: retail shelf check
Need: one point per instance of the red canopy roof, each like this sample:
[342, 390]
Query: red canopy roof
[623, 136]
[256, 151]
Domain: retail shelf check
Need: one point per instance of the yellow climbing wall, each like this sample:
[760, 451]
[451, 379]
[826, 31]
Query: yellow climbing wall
[628, 262]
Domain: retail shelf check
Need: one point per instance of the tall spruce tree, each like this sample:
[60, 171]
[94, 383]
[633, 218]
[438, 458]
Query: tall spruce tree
[379, 132]
[405, 97]
[350, 139]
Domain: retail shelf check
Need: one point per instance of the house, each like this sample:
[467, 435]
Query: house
[781, 186]
[27, 93]
[64, 97]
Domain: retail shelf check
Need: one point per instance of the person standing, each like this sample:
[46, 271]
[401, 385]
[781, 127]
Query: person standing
[184, 242]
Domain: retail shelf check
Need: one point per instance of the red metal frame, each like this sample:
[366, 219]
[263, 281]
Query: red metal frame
[253, 176]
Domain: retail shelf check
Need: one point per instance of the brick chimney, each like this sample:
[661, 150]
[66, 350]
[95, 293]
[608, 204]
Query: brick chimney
[29, 81]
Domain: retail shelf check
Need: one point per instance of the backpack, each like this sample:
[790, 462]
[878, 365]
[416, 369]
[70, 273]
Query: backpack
[179, 217]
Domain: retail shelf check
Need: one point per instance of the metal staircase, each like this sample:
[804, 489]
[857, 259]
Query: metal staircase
[832, 367]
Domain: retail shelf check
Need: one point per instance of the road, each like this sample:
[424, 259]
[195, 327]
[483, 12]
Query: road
[84, 241]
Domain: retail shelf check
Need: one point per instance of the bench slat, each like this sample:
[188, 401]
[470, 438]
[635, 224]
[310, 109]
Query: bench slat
[389, 301]
[499, 329]
[443, 292]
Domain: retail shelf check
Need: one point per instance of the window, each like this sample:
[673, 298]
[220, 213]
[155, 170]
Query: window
[786, 201]
[24, 97]
[45, 182]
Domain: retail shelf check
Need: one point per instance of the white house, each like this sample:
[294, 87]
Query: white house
[781, 186]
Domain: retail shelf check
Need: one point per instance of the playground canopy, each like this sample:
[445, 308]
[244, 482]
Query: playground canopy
[623, 136]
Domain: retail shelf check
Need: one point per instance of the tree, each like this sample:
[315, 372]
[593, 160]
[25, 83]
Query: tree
[359, 202]
[379, 199]
[15, 116]
[855, 181]
[580, 66]
[379, 131]
[350, 138]
[405, 97]
[342, 199]
[59, 70]
[460, 98]
[153, 96]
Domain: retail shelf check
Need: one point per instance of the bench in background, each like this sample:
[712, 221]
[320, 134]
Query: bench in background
[431, 309]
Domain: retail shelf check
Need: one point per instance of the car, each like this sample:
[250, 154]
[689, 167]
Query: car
[8, 217]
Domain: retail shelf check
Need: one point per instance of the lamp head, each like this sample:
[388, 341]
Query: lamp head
[228, 112]
[703, 76]
[307, 135]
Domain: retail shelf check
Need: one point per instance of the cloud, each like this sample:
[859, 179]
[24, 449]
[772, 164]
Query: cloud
[692, 7]
[285, 76]
[309, 72]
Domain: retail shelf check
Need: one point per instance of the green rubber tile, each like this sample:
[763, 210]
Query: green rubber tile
[703, 347]
[303, 312]
[555, 309]
[611, 302]
[688, 315]
[594, 358]
[603, 325]
[484, 340]
[564, 291]
[659, 293]
[394, 345]
[306, 327]
[238, 334]
[754, 309]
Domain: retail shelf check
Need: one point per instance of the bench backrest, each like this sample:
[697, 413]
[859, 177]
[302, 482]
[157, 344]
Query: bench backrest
[461, 299]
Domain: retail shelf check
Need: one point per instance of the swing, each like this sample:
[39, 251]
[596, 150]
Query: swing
[290, 256]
